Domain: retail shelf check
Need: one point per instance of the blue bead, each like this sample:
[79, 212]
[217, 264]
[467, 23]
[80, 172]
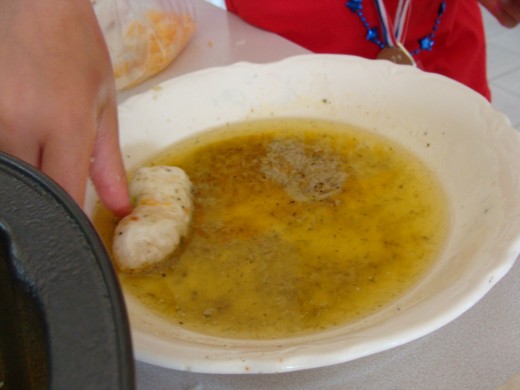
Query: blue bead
[442, 9]
[354, 5]
[426, 43]
[372, 34]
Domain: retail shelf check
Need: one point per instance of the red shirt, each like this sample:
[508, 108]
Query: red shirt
[328, 26]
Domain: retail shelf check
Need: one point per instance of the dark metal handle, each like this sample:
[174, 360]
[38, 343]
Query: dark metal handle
[23, 357]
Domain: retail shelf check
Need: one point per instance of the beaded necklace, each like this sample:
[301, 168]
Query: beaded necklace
[392, 34]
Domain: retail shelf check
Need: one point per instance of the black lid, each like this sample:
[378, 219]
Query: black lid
[53, 265]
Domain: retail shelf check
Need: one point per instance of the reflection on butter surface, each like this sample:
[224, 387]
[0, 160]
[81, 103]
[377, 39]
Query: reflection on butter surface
[299, 226]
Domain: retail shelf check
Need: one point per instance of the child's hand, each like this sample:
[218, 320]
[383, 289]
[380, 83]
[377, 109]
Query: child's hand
[57, 99]
[506, 11]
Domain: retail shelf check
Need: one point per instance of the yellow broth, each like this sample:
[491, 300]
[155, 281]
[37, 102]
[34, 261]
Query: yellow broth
[299, 226]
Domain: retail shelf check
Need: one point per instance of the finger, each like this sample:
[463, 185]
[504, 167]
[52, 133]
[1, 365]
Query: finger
[511, 12]
[507, 12]
[16, 132]
[106, 165]
[66, 160]
[24, 149]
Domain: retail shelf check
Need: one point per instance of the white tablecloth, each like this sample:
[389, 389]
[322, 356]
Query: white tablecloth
[479, 350]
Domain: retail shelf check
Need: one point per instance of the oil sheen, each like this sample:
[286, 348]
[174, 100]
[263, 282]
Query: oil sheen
[299, 226]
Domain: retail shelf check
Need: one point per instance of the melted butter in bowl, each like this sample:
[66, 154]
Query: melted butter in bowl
[299, 226]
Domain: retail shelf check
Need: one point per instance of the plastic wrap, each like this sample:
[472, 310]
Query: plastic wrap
[144, 36]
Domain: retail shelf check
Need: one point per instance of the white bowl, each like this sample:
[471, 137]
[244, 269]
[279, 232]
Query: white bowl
[471, 147]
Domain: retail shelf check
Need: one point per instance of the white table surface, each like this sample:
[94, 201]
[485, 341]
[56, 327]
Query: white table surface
[479, 350]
